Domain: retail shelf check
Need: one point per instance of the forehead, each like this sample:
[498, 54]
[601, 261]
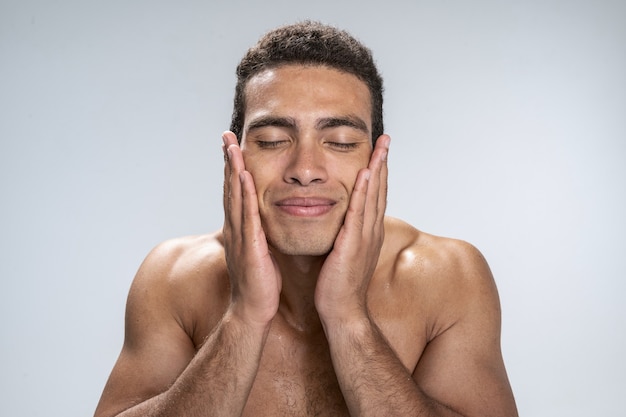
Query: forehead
[307, 90]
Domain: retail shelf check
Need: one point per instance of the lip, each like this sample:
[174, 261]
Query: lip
[306, 206]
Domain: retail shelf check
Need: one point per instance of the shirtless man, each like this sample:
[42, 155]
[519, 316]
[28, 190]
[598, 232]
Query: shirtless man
[309, 301]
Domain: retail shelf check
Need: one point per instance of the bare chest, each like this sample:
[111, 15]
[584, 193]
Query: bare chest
[295, 378]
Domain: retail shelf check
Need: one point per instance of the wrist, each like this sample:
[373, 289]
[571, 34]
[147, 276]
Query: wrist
[355, 321]
[242, 316]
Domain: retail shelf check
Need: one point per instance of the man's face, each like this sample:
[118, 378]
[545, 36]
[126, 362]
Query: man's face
[306, 135]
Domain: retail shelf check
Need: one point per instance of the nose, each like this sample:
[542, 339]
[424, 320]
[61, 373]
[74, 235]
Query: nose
[306, 165]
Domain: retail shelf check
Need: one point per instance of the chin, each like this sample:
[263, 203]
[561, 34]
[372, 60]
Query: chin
[302, 238]
[303, 245]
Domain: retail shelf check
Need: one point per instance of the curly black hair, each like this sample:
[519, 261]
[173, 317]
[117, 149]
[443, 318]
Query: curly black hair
[309, 43]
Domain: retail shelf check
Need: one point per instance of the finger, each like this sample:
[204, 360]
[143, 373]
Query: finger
[383, 178]
[251, 220]
[354, 220]
[376, 199]
[226, 190]
[232, 184]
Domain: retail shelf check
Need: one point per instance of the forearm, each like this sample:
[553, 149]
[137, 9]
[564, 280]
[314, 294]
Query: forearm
[217, 381]
[373, 380]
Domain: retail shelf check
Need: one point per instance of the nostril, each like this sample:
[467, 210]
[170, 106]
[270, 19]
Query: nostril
[306, 165]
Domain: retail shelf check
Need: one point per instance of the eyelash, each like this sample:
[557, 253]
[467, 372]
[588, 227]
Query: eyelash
[343, 146]
[269, 144]
[338, 145]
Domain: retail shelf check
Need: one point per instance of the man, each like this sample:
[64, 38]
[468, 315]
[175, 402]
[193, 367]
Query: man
[310, 301]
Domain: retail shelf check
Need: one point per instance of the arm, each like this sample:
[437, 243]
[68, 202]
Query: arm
[462, 365]
[158, 372]
[460, 373]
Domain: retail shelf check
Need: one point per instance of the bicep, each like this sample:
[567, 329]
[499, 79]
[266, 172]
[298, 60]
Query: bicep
[156, 350]
[463, 367]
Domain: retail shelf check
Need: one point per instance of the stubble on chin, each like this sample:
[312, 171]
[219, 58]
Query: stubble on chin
[305, 241]
[302, 245]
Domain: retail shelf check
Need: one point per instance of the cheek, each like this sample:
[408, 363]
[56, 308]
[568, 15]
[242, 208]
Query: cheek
[263, 173]
[252, 164]
[348, 168]
[347, 174]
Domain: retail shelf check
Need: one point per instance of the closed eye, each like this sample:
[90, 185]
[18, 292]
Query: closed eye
[266, 144]
[343, 146]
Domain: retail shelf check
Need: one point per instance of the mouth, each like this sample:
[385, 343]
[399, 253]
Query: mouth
[306, 206]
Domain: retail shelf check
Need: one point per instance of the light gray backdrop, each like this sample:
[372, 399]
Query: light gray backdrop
[509, 130]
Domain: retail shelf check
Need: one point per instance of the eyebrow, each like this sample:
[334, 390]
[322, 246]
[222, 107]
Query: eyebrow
[272, 121]
[347, 121]
[323, 123]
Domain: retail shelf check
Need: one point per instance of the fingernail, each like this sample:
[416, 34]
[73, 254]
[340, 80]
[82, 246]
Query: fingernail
[384, 157]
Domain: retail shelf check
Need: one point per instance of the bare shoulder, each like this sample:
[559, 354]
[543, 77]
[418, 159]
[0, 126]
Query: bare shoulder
[182, 262]
[445, 277]
[187, 278]
[442, 317]
[180, 251]
[411, 249]
[176, 297]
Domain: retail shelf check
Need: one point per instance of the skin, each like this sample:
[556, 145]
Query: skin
[310, 301]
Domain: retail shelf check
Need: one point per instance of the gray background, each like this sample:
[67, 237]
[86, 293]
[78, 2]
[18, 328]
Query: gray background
[508, 122]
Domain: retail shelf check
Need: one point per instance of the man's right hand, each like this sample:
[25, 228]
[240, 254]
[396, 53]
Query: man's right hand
[254, 276]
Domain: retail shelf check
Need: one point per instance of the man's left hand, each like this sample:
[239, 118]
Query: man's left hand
[342, 285]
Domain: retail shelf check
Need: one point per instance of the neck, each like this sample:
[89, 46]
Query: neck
[297, 299]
